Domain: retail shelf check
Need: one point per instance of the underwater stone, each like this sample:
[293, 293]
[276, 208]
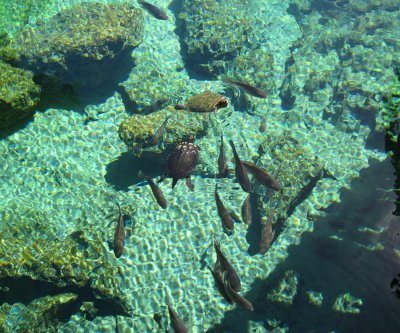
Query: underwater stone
[79, 260]
[286, 290]
[41, 315]
[214, 32]
[137, 131]
[18, 94]
[347, 304]
[315, 297]
[82, 46]
[296, 165]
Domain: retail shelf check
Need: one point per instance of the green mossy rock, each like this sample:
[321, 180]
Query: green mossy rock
[137, 130]
[33, 250]
[18, 94]
[82, 46]
[214, 32]
[41, 315]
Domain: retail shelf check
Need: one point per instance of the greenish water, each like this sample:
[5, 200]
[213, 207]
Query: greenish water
[85, 89]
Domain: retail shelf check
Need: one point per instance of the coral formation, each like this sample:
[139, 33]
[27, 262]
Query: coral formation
[18, 94]
[81, 46]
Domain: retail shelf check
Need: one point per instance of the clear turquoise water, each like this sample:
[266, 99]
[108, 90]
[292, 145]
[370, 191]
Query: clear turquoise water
[65, 168]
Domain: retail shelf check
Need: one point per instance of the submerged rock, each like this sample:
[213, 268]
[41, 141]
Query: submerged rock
[32, 250]
[41, 315]
[214, 32]
[18, 94]
[137, 131]
[82, 46]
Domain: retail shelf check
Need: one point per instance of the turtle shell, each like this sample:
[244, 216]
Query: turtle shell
[206, 102]
[182, 160]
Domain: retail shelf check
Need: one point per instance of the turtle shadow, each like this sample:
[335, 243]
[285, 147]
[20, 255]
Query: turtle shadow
[123, 171]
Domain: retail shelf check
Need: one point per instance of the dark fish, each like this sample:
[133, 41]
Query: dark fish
[222, 165]
[241, 174]
[263, 125]
[217, 275]
[235, 297]
[246, 210]
[267, 235]
[153, 10]
[157, 105]
[158, 194]
[223, 213]
[227, 267]
[181, 162]
[262, 176]
[155, 139]
[307, 189]
[119, 236]
[176, 322]
[256, 92]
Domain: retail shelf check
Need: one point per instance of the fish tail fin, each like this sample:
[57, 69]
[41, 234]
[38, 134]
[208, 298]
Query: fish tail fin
[226, 80]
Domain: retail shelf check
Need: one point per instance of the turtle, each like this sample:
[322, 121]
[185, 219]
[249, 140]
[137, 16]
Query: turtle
[205, 102]
[181, 162]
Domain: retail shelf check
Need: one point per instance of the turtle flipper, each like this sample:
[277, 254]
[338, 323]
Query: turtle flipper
[174, 181]
[162, 178]
[189, 184]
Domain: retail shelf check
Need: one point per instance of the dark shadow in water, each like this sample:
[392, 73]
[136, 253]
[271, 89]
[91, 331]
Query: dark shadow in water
[335, 267]
[122, 172]
[71, 96]
[25, 290]
[5, 132]
[254, 230]
[59, 95]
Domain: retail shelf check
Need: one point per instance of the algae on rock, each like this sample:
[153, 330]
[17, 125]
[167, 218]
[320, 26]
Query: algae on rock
[214, 32]
[79, 260]
[41, 315]
[18, 94]
[82, 46]
[137, 131]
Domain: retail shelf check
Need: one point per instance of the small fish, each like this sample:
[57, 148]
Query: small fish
[263, 125]
[267, 234]
[246, 210]
[262, 176]
[176, 322]
[222, 165]
[235, 297]
[241, 174]
[256, 92]
[158, 194]
[153, 10]
[155, 139]
[223, 213]
[217, 275]
[119, 237]
[227, 267]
